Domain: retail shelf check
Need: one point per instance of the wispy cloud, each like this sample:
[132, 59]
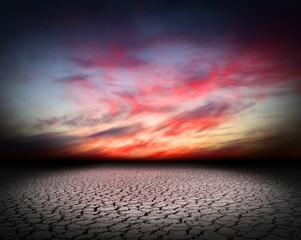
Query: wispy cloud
[79, 80]
[84, 119]
[204, 117]
[129, 130]
[46, 123]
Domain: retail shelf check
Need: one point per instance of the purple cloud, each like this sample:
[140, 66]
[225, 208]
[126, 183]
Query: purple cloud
[118, 131]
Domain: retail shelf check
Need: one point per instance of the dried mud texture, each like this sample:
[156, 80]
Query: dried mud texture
[151, 203]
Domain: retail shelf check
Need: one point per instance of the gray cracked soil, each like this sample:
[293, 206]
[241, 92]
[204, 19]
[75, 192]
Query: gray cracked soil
[118, 202]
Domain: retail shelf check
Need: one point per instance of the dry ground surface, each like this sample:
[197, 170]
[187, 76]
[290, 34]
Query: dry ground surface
[150, 202]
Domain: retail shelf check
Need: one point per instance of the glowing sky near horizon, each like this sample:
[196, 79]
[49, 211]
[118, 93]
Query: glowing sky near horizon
[150, 82]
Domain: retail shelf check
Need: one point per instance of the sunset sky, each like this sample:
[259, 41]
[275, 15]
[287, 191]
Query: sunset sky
[150, 79]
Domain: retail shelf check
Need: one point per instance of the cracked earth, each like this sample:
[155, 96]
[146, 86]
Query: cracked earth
[151, 203]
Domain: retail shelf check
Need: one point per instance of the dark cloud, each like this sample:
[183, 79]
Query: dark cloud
[118, 131]
[111, 59]
[214, 109]
[75, 78]
[79, 80]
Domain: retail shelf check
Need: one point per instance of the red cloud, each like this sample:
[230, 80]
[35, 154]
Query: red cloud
[202, 118]
[114, 57]
[268, 57]
[132, 101]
